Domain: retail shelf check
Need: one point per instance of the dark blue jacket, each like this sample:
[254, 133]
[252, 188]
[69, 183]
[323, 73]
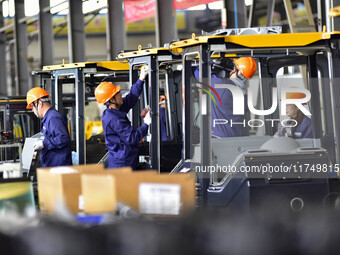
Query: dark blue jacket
[162, 123]
[224, 111]
[304, 129]
[57, 142]
[120, 137]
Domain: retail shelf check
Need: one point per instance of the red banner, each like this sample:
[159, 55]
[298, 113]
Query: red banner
[185, 4]
[139, 9]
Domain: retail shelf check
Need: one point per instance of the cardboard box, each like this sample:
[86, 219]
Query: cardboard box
[145, 191]
[57, 188]
[156, 194]
[99, 193]
[99, 190]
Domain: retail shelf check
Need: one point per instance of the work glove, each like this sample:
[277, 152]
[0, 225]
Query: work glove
[38, 145]
[147, 118]
[143, 72]
[145, 111]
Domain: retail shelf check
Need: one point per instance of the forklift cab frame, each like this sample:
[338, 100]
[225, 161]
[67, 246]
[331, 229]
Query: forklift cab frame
[10, 129]
[318, 51]
[154, 58]
[84, 76]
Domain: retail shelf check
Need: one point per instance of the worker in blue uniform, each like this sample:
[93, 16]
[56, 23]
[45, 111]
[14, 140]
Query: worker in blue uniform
[120, 137]
[243, 68]
[304, 127]
[163, 119]
[301, 124]
[56, 146]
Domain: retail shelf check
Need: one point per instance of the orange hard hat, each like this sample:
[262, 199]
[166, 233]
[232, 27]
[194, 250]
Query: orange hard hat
[295, 95]
[162, 98]
[246, 66]
[35, 94]
[105, 91]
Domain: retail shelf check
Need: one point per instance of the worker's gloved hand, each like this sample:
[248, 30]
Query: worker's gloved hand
[147, 118]
[38, 145]
[144, 72]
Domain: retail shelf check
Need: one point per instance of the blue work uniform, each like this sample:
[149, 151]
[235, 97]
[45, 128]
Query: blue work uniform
[120, 138]
[162, 123]
[235, 123]
[57, 142]
[303, 129]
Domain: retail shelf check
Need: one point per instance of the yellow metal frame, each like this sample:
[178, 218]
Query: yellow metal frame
[334, 12]
[140, 52]
[284, 40]
[111, 65]
[193, 41]
[12, 100]
[248, 41]
[90, 125]
[279, 40]
[260, 40]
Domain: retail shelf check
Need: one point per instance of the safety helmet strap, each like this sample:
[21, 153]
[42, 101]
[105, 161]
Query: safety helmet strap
[240, 75]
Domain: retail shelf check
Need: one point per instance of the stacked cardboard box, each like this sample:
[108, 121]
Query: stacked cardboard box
[100, 191]
[95, 190]
[146, 192]
[56, 188]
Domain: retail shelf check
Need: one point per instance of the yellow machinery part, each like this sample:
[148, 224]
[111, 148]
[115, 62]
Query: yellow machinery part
[111, 65]
[334, 12]
[10, 190]
[93, 128]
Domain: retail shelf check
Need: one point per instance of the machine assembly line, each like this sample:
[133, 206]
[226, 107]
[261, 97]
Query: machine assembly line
[171, 74]
[211, 142]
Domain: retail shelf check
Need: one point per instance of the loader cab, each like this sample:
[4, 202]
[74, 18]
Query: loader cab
[71, 87]
[303, 61]
[17, 122]
[164, 79]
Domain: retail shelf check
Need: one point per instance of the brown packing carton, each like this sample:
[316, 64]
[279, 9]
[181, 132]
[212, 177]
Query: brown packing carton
[99, 193]
[55, 188]
[99, 189]
[132, 196]
[132, 189]
[125, 186]
[121, 170]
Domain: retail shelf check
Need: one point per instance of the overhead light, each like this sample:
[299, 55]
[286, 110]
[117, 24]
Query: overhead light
[248, 2]
[216, 5]
[59, 7]
[11, 11]
[5, 9]
[196, 8]
[91, 5]
[31, 8]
